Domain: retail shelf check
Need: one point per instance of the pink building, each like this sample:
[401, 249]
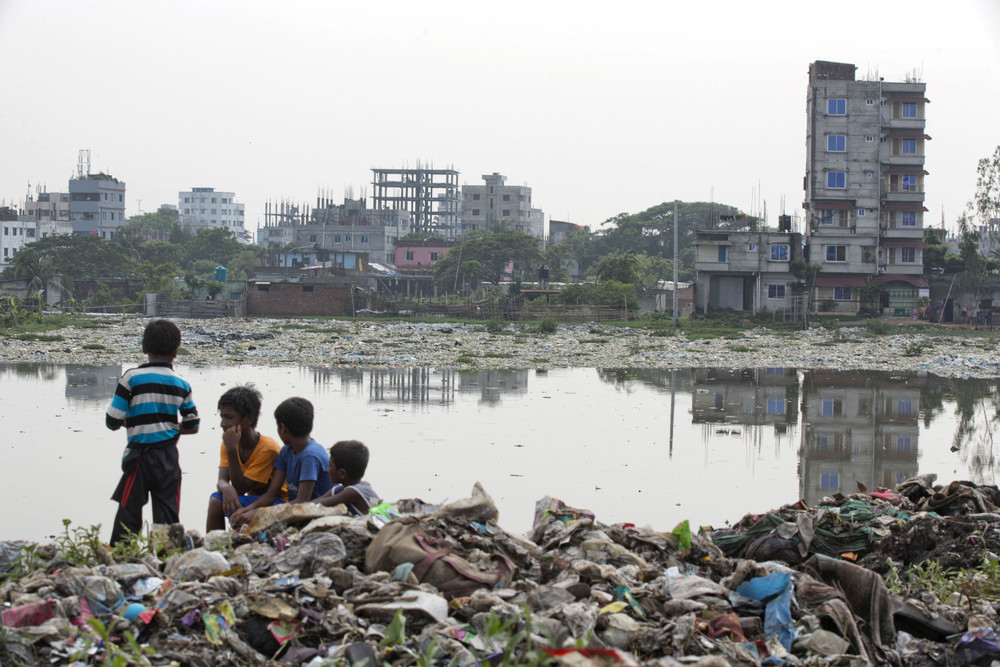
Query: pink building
[415, 256]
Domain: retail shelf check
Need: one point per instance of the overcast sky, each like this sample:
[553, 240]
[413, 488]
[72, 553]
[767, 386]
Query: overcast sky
[601, 108]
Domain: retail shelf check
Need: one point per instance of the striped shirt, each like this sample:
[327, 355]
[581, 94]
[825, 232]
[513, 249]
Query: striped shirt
[150, 401]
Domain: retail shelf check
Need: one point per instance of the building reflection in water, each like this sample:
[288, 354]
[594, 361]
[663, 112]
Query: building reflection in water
[858, 428]
[742, 402]
[92, 383]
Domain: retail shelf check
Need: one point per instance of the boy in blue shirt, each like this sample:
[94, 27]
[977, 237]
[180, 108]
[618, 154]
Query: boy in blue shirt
[302, 462]
[155, 405]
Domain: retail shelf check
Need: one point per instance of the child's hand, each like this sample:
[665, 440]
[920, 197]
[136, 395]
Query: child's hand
[231, 437]
[241, 517]
[230, 500]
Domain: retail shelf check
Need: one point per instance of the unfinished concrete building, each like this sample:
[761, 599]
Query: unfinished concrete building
[864, 187]
[431, 196]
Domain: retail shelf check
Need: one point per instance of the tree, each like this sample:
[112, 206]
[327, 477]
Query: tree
[84, 256]
[494, 250]
[622, 266]
[39, 273]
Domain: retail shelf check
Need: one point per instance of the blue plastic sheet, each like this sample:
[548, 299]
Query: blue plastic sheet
[776, 590]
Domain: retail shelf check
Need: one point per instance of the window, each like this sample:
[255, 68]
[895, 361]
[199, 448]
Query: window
[836, 179]
[910, 182]
[870, 102]
[907, 255]
[263, 287]
[364, 238]
[869, 174]
[908, 219]
[903, 443]
[909, 110]
[779, 252]
[752, 247]
[434, 256]
[307, 288]
[776, 291]
[833, 407]
[475, 211]
[312, 238]
[836, 107]
[336, 238]
[836, 143]
[722, 253]
[829, 480]
[347, 238]
[775, 406]
[506, 213]
[475, 197]
[836, 253]
[213, 200]
[908, 146]
[905, 408]
[213, 211]
[841, 293]
[506, 197]
[409, 255]
[861, 212]
[826, 217]
[870, 138]
[822, 442]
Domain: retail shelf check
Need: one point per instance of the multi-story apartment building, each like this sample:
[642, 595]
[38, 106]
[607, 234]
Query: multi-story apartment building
[347, 227]
[864, 186]
[96, 205]
[50, 212]
[204, 208]
[484, 207]
[746, 270]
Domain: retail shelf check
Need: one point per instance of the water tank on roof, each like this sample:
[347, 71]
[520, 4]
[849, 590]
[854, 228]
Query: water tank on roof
[221, 274]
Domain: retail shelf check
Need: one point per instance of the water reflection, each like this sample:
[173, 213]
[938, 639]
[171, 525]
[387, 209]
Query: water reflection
[763, 436]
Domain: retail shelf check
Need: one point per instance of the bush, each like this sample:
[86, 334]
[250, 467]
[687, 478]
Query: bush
[495, 325]
[547, 325]
[880, 327]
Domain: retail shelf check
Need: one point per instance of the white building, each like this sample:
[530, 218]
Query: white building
[204, 208]
[484, 207]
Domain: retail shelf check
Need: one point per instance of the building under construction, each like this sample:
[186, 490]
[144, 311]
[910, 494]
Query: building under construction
[430, 195]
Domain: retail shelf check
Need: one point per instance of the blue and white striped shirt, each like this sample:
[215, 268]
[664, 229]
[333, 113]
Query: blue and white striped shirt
[151, 401]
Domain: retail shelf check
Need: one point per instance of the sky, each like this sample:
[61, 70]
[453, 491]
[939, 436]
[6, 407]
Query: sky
[601, 108]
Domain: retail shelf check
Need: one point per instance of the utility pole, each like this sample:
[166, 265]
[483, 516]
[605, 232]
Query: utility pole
[675, 264]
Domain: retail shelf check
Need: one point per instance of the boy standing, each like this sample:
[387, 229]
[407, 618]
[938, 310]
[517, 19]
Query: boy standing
[302, 462]
[348, 463]
[154, 404]
[246, 460]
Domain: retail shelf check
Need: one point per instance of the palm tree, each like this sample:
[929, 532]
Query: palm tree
[39, 274]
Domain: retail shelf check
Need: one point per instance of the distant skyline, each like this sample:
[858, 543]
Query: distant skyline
[601, 109]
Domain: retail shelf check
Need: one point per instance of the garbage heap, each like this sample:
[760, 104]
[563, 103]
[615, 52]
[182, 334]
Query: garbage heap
[414, 584]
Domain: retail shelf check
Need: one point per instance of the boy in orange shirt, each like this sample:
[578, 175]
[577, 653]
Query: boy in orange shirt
[246, 459]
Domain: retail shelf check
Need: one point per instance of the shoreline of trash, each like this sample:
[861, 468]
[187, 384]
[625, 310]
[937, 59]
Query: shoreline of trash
[277, 342]
[421, 585]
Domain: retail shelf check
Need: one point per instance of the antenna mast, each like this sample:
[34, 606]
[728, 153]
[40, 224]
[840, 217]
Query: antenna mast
[83, 163]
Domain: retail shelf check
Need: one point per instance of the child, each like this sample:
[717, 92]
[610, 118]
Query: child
[302, 462]
[155, 405]
[246, 459]
[348, 462]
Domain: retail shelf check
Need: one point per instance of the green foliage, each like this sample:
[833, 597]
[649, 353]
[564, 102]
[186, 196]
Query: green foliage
[114, 655]
[621, 266]
[82, 546]
[916, 348]
[13, 313]
[880, 327]
[547, 325]
[610, 293]
[492, 251]
[495, 325]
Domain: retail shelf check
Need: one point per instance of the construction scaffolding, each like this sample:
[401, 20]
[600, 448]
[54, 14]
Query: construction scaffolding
[430, 195]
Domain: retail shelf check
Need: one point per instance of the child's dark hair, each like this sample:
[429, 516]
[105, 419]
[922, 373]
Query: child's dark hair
[352, 456]
[245, 399]
[161, 337]
[296, 414]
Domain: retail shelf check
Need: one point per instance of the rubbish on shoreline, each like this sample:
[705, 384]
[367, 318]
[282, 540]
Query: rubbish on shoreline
[447, 585]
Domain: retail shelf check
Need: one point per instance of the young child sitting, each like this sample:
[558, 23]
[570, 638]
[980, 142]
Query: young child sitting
[348, 462]
[246, 459]
[302, 462]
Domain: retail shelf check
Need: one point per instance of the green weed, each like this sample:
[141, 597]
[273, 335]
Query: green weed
[94, 346]
[44, 338]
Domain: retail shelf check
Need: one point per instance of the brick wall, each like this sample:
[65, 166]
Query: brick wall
[273, 299]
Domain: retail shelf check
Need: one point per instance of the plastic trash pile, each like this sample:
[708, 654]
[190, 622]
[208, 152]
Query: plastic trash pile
[415, 584]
